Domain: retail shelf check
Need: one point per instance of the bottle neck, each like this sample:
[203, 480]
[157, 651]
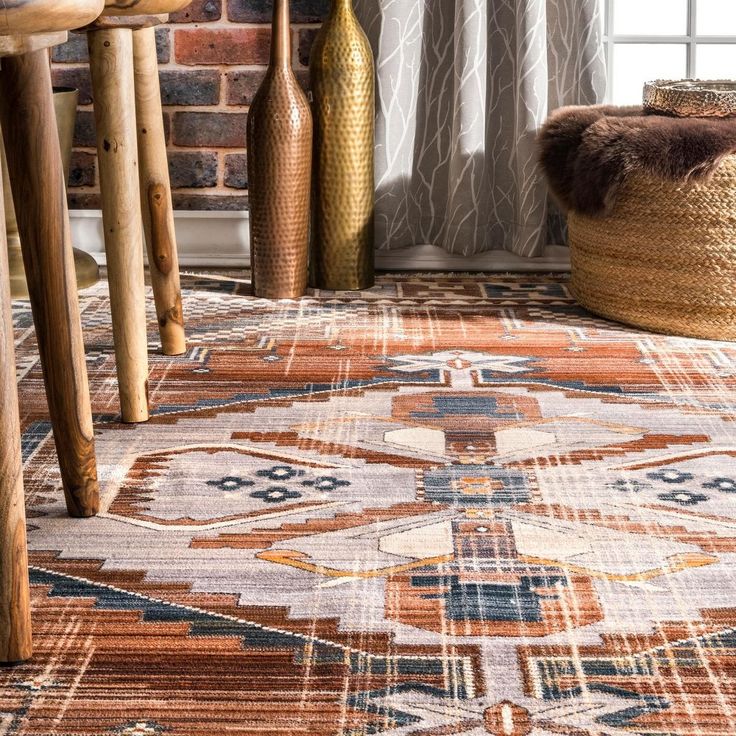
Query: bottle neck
[281, 34]
[341, 7]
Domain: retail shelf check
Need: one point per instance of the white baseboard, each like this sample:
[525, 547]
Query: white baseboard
[218, 239]
[221, 240]
[556, 258]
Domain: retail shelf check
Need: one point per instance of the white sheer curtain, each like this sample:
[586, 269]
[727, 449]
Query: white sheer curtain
[463, 86]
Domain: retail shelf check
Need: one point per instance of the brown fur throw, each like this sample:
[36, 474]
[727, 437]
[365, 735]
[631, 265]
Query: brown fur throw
[588, 152]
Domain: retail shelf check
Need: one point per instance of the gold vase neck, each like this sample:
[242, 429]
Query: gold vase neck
[281, 34]
[341, 7]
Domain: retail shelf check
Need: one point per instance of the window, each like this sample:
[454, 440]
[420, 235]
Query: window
[667, 39]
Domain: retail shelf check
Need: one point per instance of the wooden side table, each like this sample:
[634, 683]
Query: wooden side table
[27, 30]
[136, 192]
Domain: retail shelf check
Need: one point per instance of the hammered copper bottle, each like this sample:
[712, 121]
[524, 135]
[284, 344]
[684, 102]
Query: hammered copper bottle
[279, 172]
[343, 86]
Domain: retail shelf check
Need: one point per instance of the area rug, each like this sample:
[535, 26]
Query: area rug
[447, 505]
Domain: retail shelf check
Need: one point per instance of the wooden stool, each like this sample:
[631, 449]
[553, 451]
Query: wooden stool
[27, 30]
[136, 192]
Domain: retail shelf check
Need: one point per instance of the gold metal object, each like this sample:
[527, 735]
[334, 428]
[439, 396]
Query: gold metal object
[695, 98]
[279, 172]
[343, 86]
[87, 271]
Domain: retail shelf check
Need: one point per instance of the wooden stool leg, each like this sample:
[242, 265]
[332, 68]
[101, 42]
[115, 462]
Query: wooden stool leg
[15, 610]
[156, 206]
[34, 164]
[111, 62]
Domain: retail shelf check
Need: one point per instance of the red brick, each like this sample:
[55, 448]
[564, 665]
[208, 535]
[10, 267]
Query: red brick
[261, 11]
[190, 86]
[200, 11]
[223, 46]
[84, 130]
[242, 85]
[231, 202]
[193, 170]
[84, 200]
[163, 45]
[75, 49]
[306, 39]
[209, 129]
[82, 169]
[236, 171]
[77, 77]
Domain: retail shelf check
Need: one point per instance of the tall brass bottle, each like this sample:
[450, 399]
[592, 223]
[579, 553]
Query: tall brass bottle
[343, 86]
[279, 172]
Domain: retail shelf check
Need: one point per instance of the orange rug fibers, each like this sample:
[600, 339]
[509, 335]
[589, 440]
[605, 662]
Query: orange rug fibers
[448, 505]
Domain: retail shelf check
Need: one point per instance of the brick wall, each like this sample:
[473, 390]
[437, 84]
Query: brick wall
[212, 57]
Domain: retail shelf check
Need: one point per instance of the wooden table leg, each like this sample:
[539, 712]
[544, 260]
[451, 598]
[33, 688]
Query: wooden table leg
[15, 611]
[111, 63]
[156, 206]
[34, 164]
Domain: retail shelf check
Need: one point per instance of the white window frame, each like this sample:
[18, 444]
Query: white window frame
[691, 40]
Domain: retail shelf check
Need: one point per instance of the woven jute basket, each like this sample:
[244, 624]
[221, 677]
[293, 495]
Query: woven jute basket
[665, 258]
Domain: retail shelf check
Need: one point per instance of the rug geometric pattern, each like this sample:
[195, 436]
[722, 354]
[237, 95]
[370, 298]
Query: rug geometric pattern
[447, 505]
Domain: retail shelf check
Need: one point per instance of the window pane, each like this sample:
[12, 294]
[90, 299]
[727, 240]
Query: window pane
[716, 18]
[715, 61]
[634, 64]
[650, 17]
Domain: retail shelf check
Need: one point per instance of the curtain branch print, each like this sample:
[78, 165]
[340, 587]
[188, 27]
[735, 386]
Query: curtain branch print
[463, 86]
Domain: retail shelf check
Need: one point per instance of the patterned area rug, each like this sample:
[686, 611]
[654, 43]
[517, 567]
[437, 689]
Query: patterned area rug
[449, 505]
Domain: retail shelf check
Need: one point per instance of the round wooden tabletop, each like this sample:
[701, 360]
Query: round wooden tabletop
[25, 17]
[143, 7]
